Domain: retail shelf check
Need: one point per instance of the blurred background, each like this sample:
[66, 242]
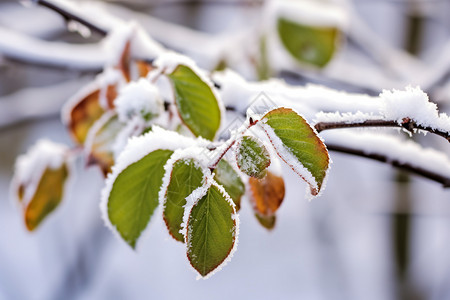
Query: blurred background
[376, 233]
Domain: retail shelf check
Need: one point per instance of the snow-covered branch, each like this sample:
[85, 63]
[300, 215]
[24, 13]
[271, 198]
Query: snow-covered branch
[406, 124]
[68, 16]
[408, 108]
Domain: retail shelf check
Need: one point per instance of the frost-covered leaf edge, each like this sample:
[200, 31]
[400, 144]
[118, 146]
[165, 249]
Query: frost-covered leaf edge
[136, 149]
[38, 171]
[193, 153]
[265, 154]
[168, 62]
[298, 168]
[191, 201]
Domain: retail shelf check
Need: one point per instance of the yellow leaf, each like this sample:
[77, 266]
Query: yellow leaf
[48, 195]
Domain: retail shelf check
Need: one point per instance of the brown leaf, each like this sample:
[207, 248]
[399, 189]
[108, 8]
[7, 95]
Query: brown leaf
[267, 194]
[48, 195]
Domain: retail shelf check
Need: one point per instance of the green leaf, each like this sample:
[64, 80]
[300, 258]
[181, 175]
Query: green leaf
[252, 157]
[47, 197]
[196, 103]
[211, 231]
[298, 145]
[184, 179]
[267, 222]
[307, 44]
[221, 65]
[226, 176]
[134, 195]
[101, 140]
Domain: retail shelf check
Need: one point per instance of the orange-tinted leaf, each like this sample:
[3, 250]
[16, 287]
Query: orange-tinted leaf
[48, 195]
[143, 68]
[267, 194]
[83, 115]
[88, 110]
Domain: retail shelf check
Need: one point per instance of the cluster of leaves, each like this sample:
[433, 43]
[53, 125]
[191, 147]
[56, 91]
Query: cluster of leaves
[200, 190]
[199, 181]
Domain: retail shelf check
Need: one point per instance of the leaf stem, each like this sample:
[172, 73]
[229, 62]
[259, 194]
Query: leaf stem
[229, 143]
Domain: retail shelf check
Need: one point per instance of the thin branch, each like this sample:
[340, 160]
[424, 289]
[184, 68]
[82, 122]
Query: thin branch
[407, 124]
[445, 181]
[68, 16]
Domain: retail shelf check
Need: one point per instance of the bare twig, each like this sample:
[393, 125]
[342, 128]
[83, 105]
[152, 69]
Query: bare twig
[407, 124]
